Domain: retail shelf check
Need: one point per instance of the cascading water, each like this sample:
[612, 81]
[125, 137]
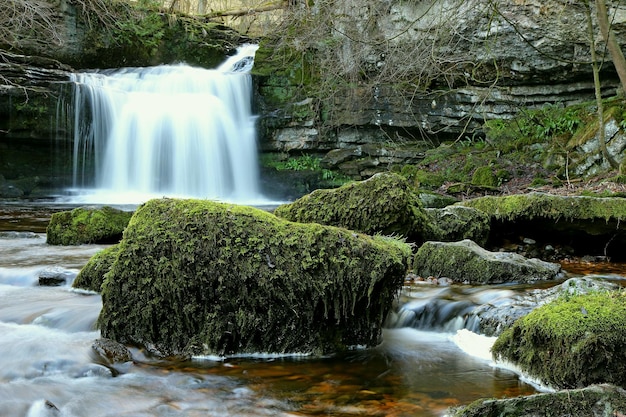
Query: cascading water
[171, 130]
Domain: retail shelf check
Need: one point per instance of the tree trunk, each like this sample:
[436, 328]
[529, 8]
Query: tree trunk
[609, 37]
[598, 90]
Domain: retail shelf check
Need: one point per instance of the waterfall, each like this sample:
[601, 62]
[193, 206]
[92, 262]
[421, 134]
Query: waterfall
[170, 130]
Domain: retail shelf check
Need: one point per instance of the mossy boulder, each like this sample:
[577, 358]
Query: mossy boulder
[466, 262]
[91, 276]
[384, 203]
[589, 225]
[454, 223]
[554, 207]
[196, 277]
[573, 342]
[87, 225]
[593, 401]
[484, 177]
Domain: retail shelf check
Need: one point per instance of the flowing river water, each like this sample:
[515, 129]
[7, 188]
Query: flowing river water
[48, 366]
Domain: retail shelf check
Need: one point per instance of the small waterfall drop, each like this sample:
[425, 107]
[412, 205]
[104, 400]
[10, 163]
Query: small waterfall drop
[170, 130]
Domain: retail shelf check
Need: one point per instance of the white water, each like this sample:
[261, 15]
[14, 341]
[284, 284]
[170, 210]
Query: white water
[170, 130]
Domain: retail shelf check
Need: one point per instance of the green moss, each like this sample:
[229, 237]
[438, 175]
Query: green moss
[538, 205]
[199, 277]
[383, 204]
[87, 225]
[91, 276]
[465, 261]
[602, 400]
[484, 177]
[572, 342]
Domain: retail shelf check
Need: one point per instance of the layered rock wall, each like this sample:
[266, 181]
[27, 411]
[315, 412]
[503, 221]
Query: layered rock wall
[429, 71]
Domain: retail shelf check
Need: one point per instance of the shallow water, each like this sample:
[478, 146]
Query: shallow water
[46, 335]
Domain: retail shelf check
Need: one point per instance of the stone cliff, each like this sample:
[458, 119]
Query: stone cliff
[383, 80]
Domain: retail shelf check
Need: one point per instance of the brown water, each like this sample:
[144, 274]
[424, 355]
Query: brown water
[45, 354]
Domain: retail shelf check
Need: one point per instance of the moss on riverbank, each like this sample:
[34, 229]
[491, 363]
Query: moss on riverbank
[572, 342]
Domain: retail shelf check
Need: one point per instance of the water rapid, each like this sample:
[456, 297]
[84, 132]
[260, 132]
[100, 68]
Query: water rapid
[170, 130]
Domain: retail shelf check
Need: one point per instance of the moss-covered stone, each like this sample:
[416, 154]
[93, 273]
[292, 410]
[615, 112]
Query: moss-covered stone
[455, 223]
[200, 277]
[385, 204]
[91, 276]
[554, 207]
[87, 225]
[590, 225]
[467, 262]
[484, 177]
[597, 400]
[572, 342]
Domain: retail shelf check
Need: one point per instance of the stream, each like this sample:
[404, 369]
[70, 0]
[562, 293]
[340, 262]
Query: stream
[48, 366]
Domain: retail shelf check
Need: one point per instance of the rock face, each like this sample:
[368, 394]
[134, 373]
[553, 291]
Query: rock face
[467, 262]
[198, 277]
[402, 75]
[87, 225]
[572, 342]
[383, 204]
[593, 401]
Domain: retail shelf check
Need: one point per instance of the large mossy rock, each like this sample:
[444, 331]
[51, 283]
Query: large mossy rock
[91, 276]
[453, 223]
[590, 225]
[200, 277]
[593, 401]
[466, 262]
[87, 225]
[384, 203]
[572, 342]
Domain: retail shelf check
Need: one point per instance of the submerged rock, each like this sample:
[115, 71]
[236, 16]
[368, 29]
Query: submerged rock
[593, 401]
[571, 342]
[384, 204]
[55, 276]
[110, 351]
[466, 262]
[87, 225]
[197, 277]
[91, 276]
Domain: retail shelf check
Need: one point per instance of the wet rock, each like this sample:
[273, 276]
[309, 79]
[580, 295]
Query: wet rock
[594, 401]
[466, 262]
[55, 276]
[111, 351]
[91, 276]
[497, 315]
[454, 223]
[87, 225]
[384, 204]
[19, 235]
[195, 277]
